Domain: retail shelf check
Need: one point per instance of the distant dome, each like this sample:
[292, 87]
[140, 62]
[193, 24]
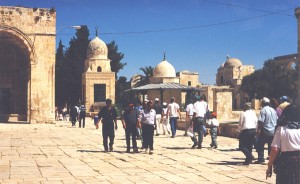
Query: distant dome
[97, 49]
[164, 69]
[232, 62]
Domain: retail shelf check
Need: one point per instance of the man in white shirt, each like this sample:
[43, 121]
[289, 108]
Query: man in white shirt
[188, 115]
[174, 113]
[200, 108]
[247, 128]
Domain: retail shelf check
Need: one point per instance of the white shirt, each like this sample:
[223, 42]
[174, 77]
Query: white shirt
[213, 122]
[173, 109]
[190, 109]
[200, 108]
[148, 117]
[248, 120]
[287, 139]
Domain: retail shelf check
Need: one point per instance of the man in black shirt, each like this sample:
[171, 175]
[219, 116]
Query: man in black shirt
[108, 115]
[158, 110]
[82, 115]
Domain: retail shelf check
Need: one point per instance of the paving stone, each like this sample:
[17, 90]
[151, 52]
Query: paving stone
[59, 153]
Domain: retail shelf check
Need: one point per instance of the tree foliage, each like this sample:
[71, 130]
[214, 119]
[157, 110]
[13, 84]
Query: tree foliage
[115, 56]
[60, 55]
[145, 78]
[275, 79]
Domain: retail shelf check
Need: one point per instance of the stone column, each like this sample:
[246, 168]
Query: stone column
[297, 13]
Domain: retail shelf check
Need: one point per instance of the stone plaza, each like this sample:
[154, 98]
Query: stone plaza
[60, 153]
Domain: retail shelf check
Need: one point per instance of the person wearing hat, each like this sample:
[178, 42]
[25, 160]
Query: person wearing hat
[130, 122]
[147, 119]
[214, 129]
[174, 113]
[247, 128]
[266, 129]
[108, 117]
[158, 110]
[283, 104]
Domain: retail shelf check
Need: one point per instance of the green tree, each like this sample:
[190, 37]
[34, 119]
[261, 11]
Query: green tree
[122, 97]
[275, 79]
[144, 79]
[74, 65]
[115, 56]
[60, 55]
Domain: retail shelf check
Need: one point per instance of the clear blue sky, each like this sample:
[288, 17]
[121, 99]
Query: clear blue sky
[254, 35]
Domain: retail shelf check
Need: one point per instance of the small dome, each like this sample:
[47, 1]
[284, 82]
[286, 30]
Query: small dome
[164, 69]
[97, 49]
[232, 62]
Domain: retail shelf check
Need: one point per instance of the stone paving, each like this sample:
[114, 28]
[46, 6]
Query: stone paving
[58, 153]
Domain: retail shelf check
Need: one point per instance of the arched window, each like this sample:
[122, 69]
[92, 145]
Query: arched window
[99, 69]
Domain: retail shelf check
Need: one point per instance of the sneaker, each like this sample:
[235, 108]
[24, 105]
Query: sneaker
[215, 146]
[172, 136]
[260, 162]
[150, 151]
[157, 134]
[128, 151]
[135, 150]
[105, 150]
[199, 147]
[111, 148]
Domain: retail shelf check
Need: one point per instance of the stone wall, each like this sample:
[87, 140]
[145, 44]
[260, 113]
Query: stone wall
[36, 29]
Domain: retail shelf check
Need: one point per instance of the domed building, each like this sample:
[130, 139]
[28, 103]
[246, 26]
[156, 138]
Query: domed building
[231, 73]
[166, 83]
[98, 81]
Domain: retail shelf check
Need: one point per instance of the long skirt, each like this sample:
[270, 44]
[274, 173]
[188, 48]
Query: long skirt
[289, 170]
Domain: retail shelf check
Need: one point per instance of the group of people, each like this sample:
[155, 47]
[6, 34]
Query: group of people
[279, 127]
[153, 118]
[78, 114]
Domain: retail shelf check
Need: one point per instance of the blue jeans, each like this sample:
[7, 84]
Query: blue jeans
[261, 141]
[173, 123]
[198, 127]
[214, 133]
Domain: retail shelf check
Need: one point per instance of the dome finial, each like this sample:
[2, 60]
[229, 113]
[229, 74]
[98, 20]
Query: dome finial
[164, 56]
[227, 56]
[97, 31]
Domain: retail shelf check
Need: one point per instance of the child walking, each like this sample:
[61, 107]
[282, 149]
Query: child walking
[214, 129]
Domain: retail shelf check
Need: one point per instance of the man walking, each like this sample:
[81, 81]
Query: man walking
[266, 129]
[174, 113]
[198, 120]
[130, 122]
[82, 115]
[189, 111]
[158, 110]
[108, 115]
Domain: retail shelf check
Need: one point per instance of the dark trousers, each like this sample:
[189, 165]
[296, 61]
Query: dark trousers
[246, 139]
[108, 132]
[260, 145]
[198, 127]
[82, 117]
[148, 132]
[131, 130]
[73, 120]
[173, 123]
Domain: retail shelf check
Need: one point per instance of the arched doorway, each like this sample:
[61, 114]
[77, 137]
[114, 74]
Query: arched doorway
[14, 77]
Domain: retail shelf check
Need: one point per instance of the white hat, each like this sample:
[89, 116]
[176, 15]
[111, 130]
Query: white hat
[156, 99]
[165, 104]
[265, 100]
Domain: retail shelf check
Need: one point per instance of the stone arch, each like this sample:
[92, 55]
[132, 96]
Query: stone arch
[23, 38]
[15, 38]
[99, 69]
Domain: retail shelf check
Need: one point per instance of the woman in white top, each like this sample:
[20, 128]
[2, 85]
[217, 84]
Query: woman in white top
[287, 141]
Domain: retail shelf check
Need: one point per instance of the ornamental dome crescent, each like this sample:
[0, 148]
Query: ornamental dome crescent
[232, 62]
[164, 69]
[97, 49]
